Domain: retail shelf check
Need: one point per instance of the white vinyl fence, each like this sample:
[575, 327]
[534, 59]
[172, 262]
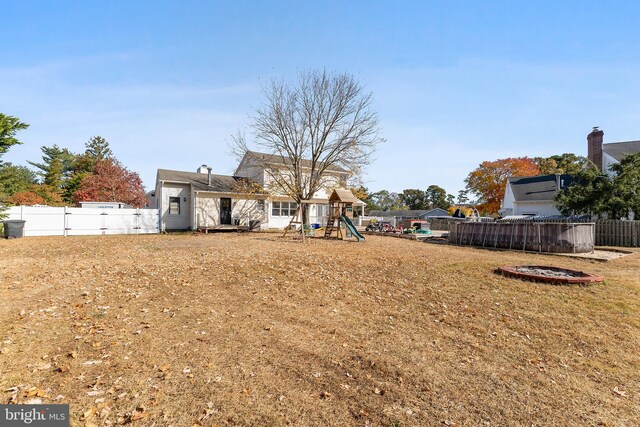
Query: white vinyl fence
[64, 221]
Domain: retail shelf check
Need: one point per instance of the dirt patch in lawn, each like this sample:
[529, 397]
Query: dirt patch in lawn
[253, 329]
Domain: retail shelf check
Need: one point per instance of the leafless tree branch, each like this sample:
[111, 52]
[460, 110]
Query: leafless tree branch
[322, 123]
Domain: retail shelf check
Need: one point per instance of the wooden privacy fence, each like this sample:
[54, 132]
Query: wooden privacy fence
[444, 224]
[526, 236]
[608, 232]
[618, 233]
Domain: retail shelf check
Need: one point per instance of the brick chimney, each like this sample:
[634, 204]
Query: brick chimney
[594, 147]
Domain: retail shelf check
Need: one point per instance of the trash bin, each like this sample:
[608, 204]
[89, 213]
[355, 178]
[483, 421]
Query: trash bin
[13, 228]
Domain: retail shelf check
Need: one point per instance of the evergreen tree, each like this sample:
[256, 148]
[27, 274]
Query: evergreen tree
[72, 185]
[596, 193]
[96, 149]
[9, 126]
[588, 194]
[414, 199]
[566, 163]
[463, 196]
[15, 179]
[385, 201]
[56, 165]
[83, 165]
[437, 197]
[626, 184]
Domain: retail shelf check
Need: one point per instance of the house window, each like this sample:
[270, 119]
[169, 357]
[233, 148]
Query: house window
[174, 205]
[323, 210]
[283, 208]
[260, 205]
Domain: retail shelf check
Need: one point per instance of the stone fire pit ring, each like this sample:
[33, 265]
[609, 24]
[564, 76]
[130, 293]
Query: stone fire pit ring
[549, 274]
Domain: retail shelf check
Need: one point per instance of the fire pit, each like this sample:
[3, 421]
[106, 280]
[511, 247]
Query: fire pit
[556, 275]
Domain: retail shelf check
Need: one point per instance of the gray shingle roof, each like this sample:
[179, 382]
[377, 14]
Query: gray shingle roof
[415, 213]
[411, 213]
[618, 150]
[279, 160]
[537, 188]
[436, 212]
[219, 183]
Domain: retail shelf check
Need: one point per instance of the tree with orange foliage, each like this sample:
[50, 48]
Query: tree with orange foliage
[37, 194]
[111, 182]
[489, 180]
[25, 198]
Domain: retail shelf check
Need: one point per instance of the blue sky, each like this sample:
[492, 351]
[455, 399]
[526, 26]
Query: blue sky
[455, 82]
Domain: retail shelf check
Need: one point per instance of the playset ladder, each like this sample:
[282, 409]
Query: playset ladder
[329, 228]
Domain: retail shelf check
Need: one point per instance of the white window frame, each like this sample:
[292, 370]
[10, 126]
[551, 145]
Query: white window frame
[277, 208]
[173, 200]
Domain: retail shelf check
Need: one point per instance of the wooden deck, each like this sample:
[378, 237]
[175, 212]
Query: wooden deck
[224, 228]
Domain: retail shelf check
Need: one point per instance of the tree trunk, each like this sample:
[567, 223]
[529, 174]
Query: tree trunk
[305, 214]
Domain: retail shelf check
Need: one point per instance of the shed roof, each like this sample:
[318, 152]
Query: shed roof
[199, 181]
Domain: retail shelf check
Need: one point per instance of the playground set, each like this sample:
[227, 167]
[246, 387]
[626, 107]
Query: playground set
[340, 218]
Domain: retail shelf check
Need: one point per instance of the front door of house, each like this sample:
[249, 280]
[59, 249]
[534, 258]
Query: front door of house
[225, 211]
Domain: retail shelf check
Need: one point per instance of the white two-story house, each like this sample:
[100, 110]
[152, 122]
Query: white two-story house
[249, 198]
[270, 171]
[604, 155]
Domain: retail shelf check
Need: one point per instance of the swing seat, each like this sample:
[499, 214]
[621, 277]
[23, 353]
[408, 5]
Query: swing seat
[309, 231]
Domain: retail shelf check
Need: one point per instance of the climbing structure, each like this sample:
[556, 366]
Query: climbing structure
[341, 212]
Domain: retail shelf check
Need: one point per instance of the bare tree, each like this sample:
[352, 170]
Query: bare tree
[321, 124]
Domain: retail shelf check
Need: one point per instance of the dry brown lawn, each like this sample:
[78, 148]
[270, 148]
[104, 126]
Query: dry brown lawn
[253, 329]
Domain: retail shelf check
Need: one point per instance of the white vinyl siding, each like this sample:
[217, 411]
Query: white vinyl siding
[175, 206]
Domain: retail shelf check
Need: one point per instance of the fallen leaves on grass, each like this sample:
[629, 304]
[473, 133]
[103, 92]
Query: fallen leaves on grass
[139, 414]
[382, 333]
[619, 392]
[36, 392]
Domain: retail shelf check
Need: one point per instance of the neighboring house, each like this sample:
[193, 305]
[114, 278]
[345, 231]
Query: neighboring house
[395, 217]
[189, 201]
[268, 170]
[409, 213]
[533, 195]
[435, 212]
[605, 155]
[400, 214]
